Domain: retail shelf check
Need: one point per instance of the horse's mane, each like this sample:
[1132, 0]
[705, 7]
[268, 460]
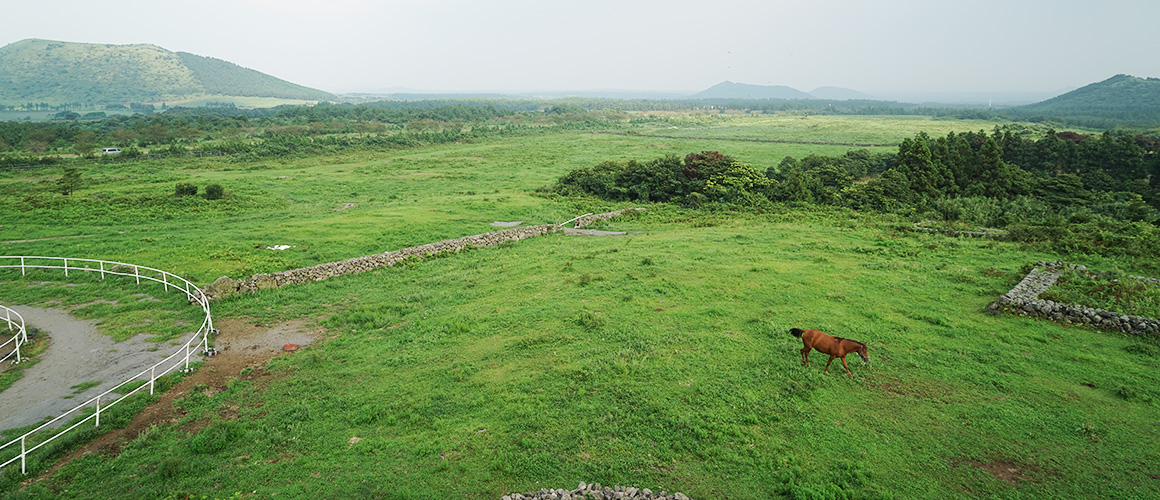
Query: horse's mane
[840, 339]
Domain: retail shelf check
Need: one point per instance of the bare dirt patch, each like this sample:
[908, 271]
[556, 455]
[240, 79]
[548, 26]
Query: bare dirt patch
[1005, 470]
[1009, 472]
[241, 344]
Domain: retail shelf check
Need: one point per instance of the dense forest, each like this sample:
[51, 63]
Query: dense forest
[207, 129]
[1099, 192]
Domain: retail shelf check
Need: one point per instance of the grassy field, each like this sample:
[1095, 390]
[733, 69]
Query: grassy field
[660, 358]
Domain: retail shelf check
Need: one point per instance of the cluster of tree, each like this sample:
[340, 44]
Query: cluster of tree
[1069, 191]
[998, 180]
[1062, 168]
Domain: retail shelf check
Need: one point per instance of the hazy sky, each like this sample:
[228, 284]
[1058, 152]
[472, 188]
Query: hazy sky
[514, 45]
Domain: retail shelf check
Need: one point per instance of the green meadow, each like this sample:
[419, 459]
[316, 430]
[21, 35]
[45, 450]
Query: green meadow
[660, 358]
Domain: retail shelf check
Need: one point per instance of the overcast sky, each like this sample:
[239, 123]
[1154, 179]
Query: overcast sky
[661, 45]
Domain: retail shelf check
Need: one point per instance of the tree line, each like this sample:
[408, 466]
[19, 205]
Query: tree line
[1090, 191]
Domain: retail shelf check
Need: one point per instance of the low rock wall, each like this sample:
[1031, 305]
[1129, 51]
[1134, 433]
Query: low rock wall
[983, 232]
[588, 220]
[226, 286]
[1024, 300]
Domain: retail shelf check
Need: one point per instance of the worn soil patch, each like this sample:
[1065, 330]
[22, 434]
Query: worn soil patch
[240, 345]
[49, 238]
[1005, 470]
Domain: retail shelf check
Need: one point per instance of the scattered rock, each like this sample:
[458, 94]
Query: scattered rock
[596, 492]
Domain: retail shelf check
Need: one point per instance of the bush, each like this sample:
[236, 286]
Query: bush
[185, 189]
[214, 192]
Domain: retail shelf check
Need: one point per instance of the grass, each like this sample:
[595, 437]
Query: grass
[660, 358]
[82, 387]
[30, 351]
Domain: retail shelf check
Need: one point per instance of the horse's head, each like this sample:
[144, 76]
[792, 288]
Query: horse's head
[864, 353]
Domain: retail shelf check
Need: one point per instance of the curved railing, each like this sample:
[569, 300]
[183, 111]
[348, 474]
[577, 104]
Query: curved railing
[106, 399]
[17, 325]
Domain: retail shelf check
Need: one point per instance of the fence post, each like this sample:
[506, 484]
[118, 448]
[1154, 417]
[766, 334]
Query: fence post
[137, 274]
[102, 269]
[152, 377]
[186, 356]
[165, 280]
[23, 455]
[22, 266]
[66, 268]
[98, 411]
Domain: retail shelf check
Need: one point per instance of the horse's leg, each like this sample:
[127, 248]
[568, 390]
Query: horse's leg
[806, 356]
[828, 363]
[851, 375]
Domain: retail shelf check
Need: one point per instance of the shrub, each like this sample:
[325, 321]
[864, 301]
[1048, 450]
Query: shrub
[214, 192]
[185, 189]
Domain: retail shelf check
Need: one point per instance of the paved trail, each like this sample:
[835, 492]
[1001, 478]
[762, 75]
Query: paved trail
[76, 354]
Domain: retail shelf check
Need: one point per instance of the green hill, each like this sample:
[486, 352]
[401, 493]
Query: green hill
[63, 72]
[1121, 98]
[730, 90]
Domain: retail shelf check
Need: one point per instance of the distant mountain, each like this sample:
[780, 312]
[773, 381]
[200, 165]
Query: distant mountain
[1122, 97]
[730, 90]
[64, 72]
[840, 94]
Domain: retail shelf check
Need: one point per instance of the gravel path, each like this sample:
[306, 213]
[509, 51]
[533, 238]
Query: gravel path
[76, 354]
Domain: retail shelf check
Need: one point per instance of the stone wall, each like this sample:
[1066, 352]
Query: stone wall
[982, 232]
[225, 286]
[588, 220]
[1024, 300]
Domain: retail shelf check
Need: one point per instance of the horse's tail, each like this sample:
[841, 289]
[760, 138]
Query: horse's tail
[796, 332]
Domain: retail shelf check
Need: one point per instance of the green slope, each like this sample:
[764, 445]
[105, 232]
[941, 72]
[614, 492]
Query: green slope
[730, 90]
[63, 72]
[226, 78]
[1121, 97]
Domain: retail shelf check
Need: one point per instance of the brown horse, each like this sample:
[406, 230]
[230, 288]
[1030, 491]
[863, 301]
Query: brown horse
[836, 347]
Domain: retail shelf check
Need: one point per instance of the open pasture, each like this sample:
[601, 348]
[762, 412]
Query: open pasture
[661, 358]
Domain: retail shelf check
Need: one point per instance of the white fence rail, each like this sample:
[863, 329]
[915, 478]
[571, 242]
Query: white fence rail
[109, 398]
[15, 324]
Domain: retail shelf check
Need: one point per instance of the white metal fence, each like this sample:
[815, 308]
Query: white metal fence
[15, 324]
[32, 440]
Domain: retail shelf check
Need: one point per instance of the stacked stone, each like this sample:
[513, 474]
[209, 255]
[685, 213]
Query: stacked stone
[592, 219]
[983, 232]
[1024, 300]
[225, 286]
[596, 492]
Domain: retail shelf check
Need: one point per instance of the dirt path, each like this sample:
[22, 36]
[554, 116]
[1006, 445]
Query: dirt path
[77, 354]
[240, 345]
[50, 238]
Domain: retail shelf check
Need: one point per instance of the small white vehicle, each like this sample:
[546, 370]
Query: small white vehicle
[110, 151]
